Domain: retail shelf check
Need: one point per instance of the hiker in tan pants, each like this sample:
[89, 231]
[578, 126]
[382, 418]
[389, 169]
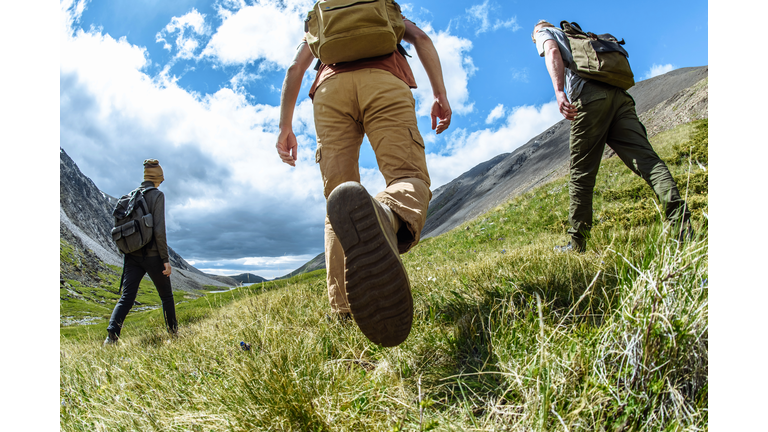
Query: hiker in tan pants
[364, 236]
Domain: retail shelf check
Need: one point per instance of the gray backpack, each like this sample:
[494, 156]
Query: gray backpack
[133, 221]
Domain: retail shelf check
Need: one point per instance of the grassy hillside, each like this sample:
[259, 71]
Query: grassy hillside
[90, 299]
[507, 335]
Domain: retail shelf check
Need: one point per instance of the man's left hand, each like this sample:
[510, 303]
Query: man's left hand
[287, 147]
[441, 109]
[568, 110]
[167, 270]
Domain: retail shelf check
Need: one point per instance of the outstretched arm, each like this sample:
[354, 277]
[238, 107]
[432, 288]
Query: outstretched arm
[441, 109]
[556, 70]
[286, 140]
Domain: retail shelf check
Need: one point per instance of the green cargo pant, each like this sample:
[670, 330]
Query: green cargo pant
[606, 114]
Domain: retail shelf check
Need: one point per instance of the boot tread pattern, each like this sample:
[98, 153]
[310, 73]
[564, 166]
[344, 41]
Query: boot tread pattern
[377, 285]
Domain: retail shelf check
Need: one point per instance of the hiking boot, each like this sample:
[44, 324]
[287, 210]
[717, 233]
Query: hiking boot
[685, 234]
[576, 245]
[111, 339]
[377, 285]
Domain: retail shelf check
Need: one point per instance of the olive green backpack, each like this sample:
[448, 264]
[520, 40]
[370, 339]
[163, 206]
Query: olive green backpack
[346, 30]
[598, 57]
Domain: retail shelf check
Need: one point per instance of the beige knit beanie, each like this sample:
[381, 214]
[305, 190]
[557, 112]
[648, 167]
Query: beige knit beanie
[153, 172]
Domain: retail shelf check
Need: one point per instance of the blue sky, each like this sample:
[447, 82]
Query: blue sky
[196, 84]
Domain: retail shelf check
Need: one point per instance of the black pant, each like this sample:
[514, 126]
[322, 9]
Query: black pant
[134, 269]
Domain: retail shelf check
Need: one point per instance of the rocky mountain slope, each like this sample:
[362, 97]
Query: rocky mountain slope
[85, 224]
[662, 102]
[315, 263]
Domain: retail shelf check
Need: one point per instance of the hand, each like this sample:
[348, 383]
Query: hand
[287, 147]
[566, 109]
[167, 270]
[440, 109]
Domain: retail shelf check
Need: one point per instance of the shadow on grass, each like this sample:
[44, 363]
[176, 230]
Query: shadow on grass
[498, 296]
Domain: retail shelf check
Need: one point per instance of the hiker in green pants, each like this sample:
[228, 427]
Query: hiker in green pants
[601, 113]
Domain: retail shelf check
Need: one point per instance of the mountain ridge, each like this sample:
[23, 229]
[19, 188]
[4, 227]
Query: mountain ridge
[239, 279]
[316, 263]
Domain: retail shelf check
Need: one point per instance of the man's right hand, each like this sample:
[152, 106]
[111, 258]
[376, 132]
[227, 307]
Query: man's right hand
[566, 109]
[287, 147]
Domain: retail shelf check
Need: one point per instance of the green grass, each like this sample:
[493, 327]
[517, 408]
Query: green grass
[95, 303]
[149, 317]
[507, 335]
[626, 200]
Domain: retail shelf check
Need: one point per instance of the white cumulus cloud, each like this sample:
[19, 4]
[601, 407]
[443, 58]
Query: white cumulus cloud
[495, 114]
[265, 30]
[457, 68]
[187, 28]
[657, 70]
[467, 149]
[481, 14]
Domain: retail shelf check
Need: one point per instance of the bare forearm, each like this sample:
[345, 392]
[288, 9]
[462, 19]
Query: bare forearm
[427, 56]
[289, 95]
[556, 69]
[287, 146]
[431, 61]
[292, 85]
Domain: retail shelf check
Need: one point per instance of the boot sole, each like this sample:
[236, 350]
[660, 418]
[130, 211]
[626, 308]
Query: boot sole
[378, 289]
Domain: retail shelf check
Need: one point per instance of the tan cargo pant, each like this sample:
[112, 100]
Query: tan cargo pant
[348, 106]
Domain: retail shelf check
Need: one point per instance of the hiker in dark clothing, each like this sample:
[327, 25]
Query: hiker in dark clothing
[152, 259]
[602, 113]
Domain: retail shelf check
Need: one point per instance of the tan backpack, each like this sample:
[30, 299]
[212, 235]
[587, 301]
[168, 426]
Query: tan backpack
[346, 30]
[599, 57]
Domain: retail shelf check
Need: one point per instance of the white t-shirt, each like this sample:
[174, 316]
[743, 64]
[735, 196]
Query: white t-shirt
[573, 82]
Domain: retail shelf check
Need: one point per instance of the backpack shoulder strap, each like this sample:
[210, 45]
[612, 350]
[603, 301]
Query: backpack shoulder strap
[572, 28]
[144, 205]
[611, 38]
[125, 203]
[402, 51]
